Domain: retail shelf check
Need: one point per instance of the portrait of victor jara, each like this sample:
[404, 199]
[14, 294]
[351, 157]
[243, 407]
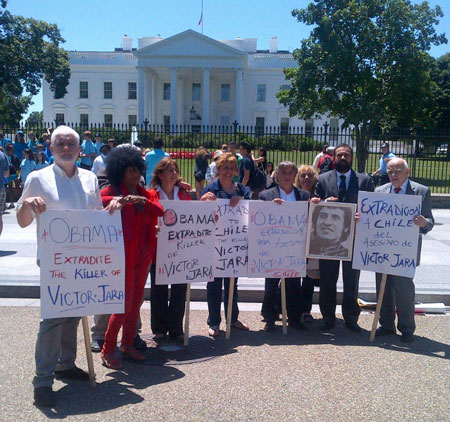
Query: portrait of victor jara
[330, 231]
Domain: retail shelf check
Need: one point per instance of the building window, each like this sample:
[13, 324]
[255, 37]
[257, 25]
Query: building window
[132, 90]
[309, 127]
[132, 120]
[196, 92]
[284, 125]
[224, 120]
[225, 92]
[84, 120]
[334, 129]
[166, 91]
[107, 90]
[59, 119]
[84, 91]
[259, 126]
[261, 93]
[108, 120]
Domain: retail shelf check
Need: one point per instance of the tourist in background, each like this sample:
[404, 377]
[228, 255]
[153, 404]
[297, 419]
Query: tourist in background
[27, 165]
[201, 165]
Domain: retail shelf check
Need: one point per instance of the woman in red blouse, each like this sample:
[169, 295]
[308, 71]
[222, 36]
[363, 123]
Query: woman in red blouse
[140, 209]
[167, 316]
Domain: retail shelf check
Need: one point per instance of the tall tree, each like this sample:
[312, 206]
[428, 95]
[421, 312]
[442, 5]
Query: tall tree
[29, 52]
[441, 76]
[365, 62]
[36, 118]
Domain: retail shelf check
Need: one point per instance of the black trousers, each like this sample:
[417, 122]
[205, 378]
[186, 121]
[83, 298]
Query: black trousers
[166, 315]
[329, 273]
[307, 295]
[270, 308]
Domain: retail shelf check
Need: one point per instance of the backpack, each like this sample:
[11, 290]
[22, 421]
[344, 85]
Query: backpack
[326, 165]
[257, 180]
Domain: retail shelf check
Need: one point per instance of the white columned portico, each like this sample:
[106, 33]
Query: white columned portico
[205, 98]
[153, 99]
[173, 96]
[146, 96]
[238, 97]
[141, 94]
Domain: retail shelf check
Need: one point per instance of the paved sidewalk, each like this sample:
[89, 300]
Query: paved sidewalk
[19, 275]
[256, 376]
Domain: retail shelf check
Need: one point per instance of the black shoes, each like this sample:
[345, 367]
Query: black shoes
[353, 326]
[297, 325]
[269, 327]
[407, 338]
[74, 373]
[139, 344]
[96, 346]
[327, 324]
[44, 397]
[382, 332]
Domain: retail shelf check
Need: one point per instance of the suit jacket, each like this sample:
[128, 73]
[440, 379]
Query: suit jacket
[274, 193]
[414, 188]
[327, 186]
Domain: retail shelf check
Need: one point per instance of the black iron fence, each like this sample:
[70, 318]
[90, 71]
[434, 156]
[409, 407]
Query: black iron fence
[426, 151]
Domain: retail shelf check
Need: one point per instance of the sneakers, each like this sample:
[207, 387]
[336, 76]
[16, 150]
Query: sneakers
[96, 346]
[44, 397]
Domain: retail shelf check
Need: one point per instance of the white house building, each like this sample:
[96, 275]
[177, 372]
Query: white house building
[187, 79]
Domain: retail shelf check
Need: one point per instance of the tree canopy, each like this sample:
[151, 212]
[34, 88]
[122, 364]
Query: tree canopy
[29, 52]
[441, 77]
[365, 62]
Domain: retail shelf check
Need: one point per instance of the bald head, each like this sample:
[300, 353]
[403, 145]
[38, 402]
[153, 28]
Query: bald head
[398, 171]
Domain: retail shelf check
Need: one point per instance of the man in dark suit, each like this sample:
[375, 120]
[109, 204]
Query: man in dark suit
[342, 185]
[400, 291]
[283, 191]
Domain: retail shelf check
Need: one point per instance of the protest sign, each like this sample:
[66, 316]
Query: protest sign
[82, 263]
[231, 239]
[386, 238]
[277, 239]
[186, 242]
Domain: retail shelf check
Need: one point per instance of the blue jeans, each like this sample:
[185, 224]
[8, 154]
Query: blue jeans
[214, 297]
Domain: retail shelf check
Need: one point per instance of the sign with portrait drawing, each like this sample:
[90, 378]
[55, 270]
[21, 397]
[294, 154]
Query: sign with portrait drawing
[331, 227]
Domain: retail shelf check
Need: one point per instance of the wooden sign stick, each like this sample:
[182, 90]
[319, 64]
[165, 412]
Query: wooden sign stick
[230, 308]
[283, 305]
[186, 318]
[87, 343]
[378, 310]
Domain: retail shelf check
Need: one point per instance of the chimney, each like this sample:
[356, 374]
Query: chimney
[273, 45]
[126, 43]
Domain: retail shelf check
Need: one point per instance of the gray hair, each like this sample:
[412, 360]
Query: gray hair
[285, 164]
[62, 131]
[405, 164]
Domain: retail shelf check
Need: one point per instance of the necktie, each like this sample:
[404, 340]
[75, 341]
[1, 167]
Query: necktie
[342, 188]
[397, 190]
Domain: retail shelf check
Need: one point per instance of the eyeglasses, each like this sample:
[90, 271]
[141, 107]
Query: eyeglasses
[304, 175]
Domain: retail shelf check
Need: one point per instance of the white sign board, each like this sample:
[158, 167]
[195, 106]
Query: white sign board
[186, 242]
[386, 238]
[82, 263]
[277, 239]
[231, 239]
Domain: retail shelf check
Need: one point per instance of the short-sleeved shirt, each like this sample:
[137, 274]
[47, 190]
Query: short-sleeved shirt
[246, 164]
[4, 166]
[383, 164]
[217, 189]
[61, 192]
[88, 147]
[18, 148]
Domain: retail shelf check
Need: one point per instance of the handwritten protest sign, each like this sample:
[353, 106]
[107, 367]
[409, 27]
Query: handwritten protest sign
[386, 238]
[186, 242]
[277, 239]
[231, 239]
[82, 263]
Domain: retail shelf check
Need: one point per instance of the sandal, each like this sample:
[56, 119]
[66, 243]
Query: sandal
[110, 361]
[131, 353]
[214, 331]
[240, 325]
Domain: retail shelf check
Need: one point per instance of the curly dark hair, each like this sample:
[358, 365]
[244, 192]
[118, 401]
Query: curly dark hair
[120, 159]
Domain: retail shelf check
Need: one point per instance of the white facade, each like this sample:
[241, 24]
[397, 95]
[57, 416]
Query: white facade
[185, 79]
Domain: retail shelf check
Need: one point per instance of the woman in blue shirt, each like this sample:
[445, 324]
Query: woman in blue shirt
[224, 188]
[27, 165]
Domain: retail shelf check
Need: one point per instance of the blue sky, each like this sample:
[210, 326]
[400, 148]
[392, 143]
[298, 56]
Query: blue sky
[99, 25]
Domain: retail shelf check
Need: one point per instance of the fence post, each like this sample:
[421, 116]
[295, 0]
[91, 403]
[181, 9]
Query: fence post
[325, 125]
[235, 125]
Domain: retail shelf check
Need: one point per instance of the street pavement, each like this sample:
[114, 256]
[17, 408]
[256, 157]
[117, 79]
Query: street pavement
[255, 376]
[19, 275]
